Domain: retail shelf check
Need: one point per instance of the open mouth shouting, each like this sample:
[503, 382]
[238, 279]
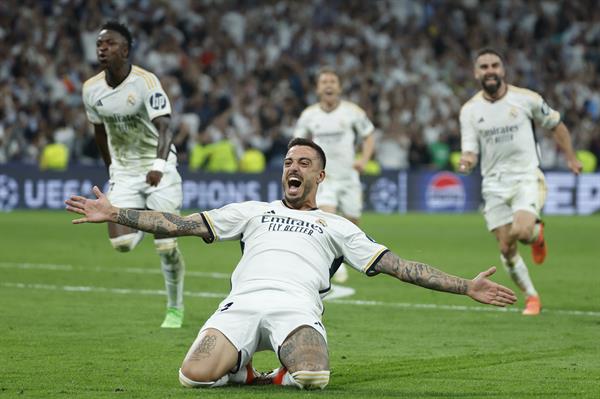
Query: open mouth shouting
[294, 184]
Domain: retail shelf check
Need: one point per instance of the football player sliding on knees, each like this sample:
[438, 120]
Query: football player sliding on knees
[291, 250]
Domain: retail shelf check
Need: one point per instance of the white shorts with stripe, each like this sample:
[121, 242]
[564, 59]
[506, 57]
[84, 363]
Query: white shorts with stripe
[505, 194]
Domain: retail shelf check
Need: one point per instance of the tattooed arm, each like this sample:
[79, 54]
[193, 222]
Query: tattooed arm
[166, 224]
[420, 274]
[480, 288]
[163, 223]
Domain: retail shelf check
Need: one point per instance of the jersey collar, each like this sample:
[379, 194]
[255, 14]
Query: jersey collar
[289, 207]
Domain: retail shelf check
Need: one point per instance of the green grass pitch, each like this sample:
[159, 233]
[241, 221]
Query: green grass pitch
[80, 320]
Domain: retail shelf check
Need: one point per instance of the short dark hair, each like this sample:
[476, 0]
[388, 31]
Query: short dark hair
[309, 143]
[489, 50]
[121, 29]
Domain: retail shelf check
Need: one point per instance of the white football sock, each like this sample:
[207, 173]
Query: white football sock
[173, 268]
[517, 270]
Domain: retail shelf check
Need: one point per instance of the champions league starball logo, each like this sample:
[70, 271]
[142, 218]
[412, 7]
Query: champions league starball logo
[384, 195]
[9, 193]
[445, 192]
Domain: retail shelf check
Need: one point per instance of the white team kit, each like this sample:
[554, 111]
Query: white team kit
[336, 132]
[287, 259]
[127, 112]
[502, 133]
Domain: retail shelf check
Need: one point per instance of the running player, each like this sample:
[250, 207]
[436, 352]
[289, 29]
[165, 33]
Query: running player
[131, 114]
[336, 125]
[497, 124]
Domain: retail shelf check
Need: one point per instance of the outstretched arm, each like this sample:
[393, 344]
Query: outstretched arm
[163, 223]
[480, 288]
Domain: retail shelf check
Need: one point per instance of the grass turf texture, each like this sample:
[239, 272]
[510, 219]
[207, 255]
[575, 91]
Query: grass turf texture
[58, 342]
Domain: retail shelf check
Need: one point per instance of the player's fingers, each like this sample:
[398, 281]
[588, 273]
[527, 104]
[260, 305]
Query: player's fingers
[488, 272]
[97, 192]
[507, 292]
[75, 210]
[78, 198]
[80, 221]
[74, 202]
[506, 297]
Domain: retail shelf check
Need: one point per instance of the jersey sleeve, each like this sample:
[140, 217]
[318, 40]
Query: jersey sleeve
[90, 111]
[155, 99]
[301, 129]
[362, 125]
[228, 222]
[541, 112]
[468, 134]
[360, 251]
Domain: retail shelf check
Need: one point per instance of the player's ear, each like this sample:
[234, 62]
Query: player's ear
[321, 177]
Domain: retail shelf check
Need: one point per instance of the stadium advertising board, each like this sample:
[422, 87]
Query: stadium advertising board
[25, 187]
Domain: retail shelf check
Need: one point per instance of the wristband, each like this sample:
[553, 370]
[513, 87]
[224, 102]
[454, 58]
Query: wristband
[159, 165]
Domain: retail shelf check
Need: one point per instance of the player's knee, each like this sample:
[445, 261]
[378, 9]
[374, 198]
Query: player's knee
[311, 379]
[521, 233]
[195, 378]
[169, 252]
[126, 242]
[166, 246]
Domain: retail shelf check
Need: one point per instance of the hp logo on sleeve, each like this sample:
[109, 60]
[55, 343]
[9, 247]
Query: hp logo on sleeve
[158, 101]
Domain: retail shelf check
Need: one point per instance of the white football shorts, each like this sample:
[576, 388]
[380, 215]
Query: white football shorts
[345, 195]
[505, 194]
[128, 190]
[260, 321]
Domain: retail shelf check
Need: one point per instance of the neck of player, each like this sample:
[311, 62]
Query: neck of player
[117, 74]
[329, 105]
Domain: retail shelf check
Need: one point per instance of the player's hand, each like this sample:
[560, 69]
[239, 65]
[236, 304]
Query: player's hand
[153, 177]
[575, 165]
[359, 165]
[464, 166]
[486, 291]
[94, 211]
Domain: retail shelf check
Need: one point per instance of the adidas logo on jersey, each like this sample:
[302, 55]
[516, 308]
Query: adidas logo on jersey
[481, 120]
[99, 103]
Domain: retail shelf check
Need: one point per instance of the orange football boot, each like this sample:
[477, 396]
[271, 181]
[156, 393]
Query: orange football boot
[533, 306]
[538, 247]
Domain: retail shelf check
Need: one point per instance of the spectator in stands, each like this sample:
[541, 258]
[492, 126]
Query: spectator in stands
[257, 52]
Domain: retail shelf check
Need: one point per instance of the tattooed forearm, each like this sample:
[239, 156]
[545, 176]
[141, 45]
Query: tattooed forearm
[420, 274]
[162, 223]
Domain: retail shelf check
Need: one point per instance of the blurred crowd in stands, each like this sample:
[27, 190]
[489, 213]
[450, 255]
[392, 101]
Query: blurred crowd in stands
[239, 72]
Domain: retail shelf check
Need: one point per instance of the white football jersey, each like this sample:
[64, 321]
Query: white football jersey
[335, 132]
[502, 131]
[290, 250]
[127, 112]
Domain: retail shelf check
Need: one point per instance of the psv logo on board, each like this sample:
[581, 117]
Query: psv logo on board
[158, 101]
